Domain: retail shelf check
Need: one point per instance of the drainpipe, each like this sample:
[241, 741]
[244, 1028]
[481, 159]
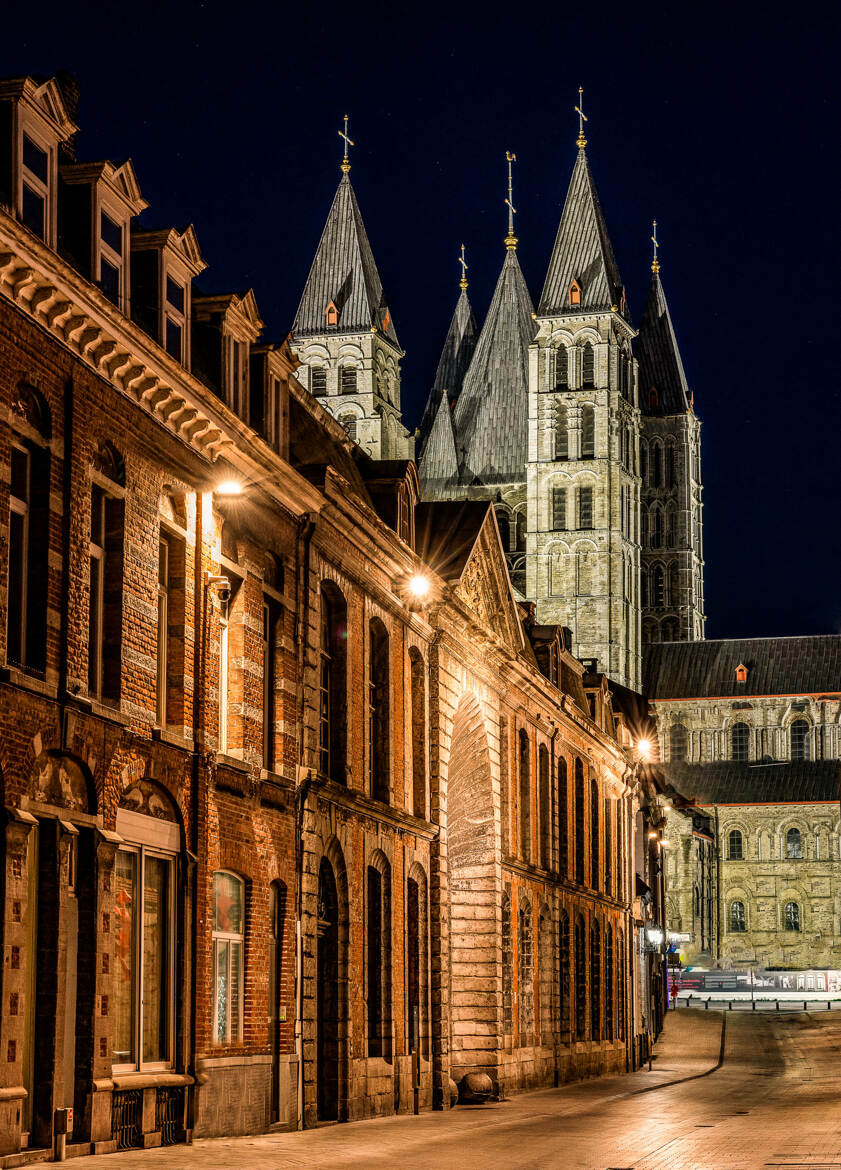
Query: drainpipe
[66, 485]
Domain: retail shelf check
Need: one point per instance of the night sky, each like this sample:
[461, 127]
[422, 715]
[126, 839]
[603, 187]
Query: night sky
[721, 123]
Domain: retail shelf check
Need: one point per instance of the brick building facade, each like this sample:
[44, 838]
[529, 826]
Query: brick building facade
[368, 807]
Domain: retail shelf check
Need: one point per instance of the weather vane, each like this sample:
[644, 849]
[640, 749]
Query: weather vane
[348, 142]
[655, 263]
[510, 239]
[463, 282]
[581, 141]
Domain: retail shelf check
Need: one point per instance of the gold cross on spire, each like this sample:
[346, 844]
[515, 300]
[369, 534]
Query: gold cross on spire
[510, 239]
[462, 284]
[581, 141]
[348, 142]
[655, 263]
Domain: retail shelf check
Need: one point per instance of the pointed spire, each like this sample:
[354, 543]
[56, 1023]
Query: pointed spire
[459, 347]
[580, 141]
[343, 291]
[345, 167]
[438, 469]
[582, 254]
[510, 239]
[663, 388]
[491, 415]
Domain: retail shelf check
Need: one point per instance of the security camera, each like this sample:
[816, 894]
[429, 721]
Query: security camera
[221, 586]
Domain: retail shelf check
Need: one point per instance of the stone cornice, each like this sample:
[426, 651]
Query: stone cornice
[50, 292]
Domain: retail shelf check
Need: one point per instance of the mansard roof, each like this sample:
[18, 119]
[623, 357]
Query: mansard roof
[459, 347]
[344, 274]
[775, 666]
[726, 782]
[660, 367]
[439, 463]
[583, 253]
[491, 414]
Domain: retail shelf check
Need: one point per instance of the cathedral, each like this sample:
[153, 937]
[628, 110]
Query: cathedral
[578, 427]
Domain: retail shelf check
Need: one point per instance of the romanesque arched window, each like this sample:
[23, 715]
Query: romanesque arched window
[588, 366]
[739, 742]
[561, 433]
[525, 795]
[794, 844]
[559, 509]
[588, 432]
[735, 845]
[520, 520]
[348, 423]
[668, 630]
[545, 827]
[378, 957]
[674, 589]
[799, 739]
[595, 980]
[791, 916]
[580, 982]
[678, 742]
[737, 917]
[507, 966]
[333, 684]
[318, 380]
[561, 367]
[379, 771]
[417, 962]
[525, 972]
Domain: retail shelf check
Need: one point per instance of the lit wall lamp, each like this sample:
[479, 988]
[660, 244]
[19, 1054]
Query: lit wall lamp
[229, 488]
[417, 591]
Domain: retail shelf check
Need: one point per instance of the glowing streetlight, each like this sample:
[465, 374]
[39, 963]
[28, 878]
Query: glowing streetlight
[419, 586]
[644, 748]
[228, 487]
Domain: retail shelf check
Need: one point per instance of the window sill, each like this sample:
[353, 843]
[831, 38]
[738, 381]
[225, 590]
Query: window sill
[175, 739]
[106, 711]
[19, 676]
[223, 760]
[148, 1080]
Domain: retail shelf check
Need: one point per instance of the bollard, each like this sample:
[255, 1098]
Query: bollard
[753, 1005]
[829, 1005]
[805, 1009]
[778, 1005]
[707, 1004]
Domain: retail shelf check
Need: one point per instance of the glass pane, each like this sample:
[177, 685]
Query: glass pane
[33, 211]
[17, 554]
[222, 989]
[227, 903]
[156, 959]
[111, 232]
[35, 159]
[124, 959]
[175, 294]
[97, 515]
[20, 474]
[173, 339]
[109, 280]
[236, 992]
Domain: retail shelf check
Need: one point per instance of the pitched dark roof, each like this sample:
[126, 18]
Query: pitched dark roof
[776, 666]
[789, 782]
[660, 366]
[344, 272]
[491, 414]
[582, 252]
[438, 468]
[445, 533]
[459, 347]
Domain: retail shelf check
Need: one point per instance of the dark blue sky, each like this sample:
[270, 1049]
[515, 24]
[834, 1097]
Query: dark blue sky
[721, 122]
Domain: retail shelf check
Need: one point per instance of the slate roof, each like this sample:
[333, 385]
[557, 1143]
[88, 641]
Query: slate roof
[776, 666]
[582, 252]
[659, 357]
[344, 271]
[725, 782]
[459, 347]
[438, 468]
[491, 414]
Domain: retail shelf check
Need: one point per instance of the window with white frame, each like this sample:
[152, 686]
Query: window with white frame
[35, 209]
[111, 273]
[175, 318]
[228, 957]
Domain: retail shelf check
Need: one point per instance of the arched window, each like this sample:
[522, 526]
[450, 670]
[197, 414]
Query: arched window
[794, 844]
[595, 833]
[417, 682]
[417, 936]
[561, 367]
[737, 917]
[525, 796]
[670, 465]
[739, 741]
[608, 844]
[561, 433]
[507, 966]
[525, 971]
[504, 528]
[657, 469]
[347, 380]
[655, 528]
[799, 734]
[595, 981]
[545, 807]
[608, 982]
[228, 964]
[791, 916]
[379, 772]
[735, 846]
[563, 815]
[318, 381]
[563, 963]
[588, 432]
[588, 366]
[678, 742]
[333, 684]
[580, 983]
[348, 423]
[378, 958]
[658, 587]
[580, 842]
[668, 630]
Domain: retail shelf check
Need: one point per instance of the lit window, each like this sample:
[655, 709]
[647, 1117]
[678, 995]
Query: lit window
[228, 944]
[574, 293]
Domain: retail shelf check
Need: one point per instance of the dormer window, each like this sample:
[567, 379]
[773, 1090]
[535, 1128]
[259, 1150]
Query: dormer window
[574, 293]
[332, 314]
[653, 396]
[111, 257]
[175, 320]
[35, 176]
[741, 673]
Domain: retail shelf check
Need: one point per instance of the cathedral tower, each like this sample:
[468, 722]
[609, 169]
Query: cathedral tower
[672, 586]
[583, 479]
[344, 334]
[459, 347]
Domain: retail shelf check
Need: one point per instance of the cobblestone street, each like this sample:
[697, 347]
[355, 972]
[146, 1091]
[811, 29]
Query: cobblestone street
[768, 1096]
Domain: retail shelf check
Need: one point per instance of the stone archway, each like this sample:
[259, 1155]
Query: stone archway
[474, 898]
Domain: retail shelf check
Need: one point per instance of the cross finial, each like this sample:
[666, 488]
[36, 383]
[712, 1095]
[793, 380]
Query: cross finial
[348, 142]
[655, 263]
[510, 239]
[581, 141]
[462, 284]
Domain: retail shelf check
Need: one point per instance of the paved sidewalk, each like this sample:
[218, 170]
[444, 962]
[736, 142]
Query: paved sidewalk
[772, 1102]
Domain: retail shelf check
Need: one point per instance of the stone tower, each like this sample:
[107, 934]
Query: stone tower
[345, 337]
[583, 560]
[672, 583]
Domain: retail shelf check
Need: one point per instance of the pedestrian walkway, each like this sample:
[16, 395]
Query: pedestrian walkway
[742, 1092]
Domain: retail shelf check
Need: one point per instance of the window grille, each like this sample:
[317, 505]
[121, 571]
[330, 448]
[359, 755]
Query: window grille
[126, 1113]
[169, 1114]
[318, 380]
